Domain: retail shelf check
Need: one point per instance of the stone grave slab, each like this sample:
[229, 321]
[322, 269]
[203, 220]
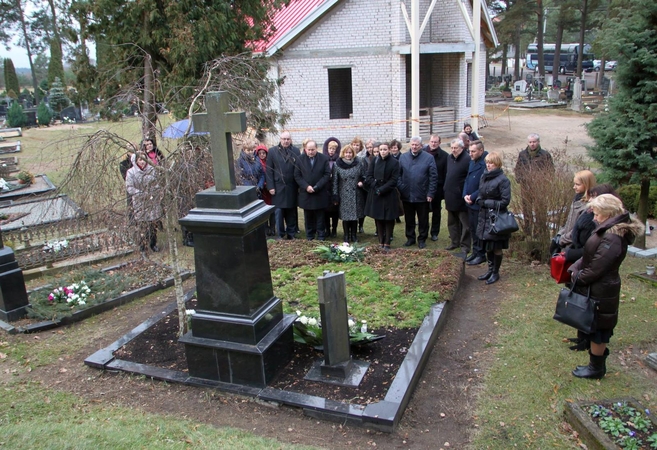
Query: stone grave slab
[41, 185]
[10, 147]
[40, 212]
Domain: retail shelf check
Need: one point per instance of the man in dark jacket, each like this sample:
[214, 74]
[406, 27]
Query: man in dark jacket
[458, 224]
[532, 162]
[470, 193]
[312, 174]
[418, 179]
[440, 157]
[281, 162]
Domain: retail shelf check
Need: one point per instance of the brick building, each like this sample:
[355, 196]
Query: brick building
[346, 68]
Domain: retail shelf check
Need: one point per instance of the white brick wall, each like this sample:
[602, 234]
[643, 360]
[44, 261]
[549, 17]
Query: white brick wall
[366, 29]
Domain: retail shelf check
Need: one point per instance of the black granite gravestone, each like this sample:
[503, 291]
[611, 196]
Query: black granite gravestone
[337, 367]
[13, 296]
[239, 333]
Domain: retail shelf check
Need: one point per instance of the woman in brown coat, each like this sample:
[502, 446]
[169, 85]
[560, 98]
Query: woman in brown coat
[597, 270]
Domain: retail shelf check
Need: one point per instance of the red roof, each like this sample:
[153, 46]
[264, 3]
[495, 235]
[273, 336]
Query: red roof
[285, 20]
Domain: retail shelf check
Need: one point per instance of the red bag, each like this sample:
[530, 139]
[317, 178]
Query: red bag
[559, 268]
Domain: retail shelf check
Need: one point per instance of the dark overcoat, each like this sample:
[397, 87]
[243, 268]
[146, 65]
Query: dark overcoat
[383, 197]
[471, 186]
[418, 177]
[494, 192]
[598, 267]
[457, 171]
[281, 163]
[317, 176]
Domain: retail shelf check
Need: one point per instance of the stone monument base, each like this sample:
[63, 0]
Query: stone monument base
[13, 296]
[349, 373]
[238, 363]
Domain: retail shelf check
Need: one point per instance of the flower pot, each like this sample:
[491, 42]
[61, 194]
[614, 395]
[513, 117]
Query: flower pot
[650, 270]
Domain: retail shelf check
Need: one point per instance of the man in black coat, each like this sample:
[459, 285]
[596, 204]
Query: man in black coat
[458, 223]
[440, 157]
[281, 163]
[417, 185]
[312, 174]
[470, 193]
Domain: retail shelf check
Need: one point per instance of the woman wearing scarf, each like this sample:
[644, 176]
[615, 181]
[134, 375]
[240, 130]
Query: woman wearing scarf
[348, 178]
[383, 201]
[331, 149]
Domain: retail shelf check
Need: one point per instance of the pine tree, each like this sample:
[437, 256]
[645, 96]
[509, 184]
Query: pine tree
[55, 65]
[626, 136]
[58, 98]
[11, 79]
[15, 115]
[44, 114]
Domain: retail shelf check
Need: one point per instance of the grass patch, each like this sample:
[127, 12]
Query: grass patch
[387, 290]
[528, 382]
[48, 419]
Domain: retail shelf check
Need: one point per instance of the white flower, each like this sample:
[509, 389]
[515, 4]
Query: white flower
[298, 313]
[345, 248]
[312, 322]
[190, 312]
[81, 302]
[303, 320]
[351, 323]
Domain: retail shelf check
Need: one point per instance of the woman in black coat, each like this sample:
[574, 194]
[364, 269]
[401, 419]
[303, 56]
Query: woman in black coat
[596, 273]
[494, 193]
[581, 233]
[383, 201]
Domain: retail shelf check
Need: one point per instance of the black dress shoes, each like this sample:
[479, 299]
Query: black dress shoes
[409, 243]
[434, 237]
[422, 244]
[476, 261]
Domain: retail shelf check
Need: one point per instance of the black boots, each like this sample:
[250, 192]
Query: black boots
[497, 262]
[581, 342]
[490, 258]
[596, 368]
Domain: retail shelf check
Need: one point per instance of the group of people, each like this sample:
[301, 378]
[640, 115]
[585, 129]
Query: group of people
[144, 204]
[594, 239]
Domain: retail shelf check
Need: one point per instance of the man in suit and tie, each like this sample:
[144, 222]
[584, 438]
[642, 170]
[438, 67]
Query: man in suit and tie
[312, 174]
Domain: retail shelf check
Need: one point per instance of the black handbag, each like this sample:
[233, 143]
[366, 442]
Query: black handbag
[502, 223]
[577, 310]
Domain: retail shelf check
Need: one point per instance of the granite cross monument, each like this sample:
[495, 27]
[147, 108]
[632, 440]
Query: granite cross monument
[239, 334]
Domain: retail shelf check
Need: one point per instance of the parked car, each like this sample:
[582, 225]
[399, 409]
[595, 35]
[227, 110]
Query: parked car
[596, 65]
[610, 65]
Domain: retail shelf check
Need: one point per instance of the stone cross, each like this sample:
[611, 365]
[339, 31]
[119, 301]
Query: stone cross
[220, 123]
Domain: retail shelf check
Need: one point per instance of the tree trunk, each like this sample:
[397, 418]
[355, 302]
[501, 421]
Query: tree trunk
[26, 37]
[505, 56]
[582, 30]
[539, 38]
[642, 212]
[557, 53]
[148, 115]
[516, 44]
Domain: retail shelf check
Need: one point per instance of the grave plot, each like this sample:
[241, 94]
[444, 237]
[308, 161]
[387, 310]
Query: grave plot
[10, 147]
[16, 190]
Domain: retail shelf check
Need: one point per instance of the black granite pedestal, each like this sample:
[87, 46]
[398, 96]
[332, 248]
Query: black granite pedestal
[239, 332]
[13, 296]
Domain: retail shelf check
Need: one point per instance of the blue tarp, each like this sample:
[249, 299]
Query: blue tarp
[177, 130]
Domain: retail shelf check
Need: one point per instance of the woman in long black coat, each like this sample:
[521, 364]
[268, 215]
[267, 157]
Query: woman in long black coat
[383, 201]
[596, 272]
[494, 193]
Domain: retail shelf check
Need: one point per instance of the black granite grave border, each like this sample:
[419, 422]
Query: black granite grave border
[94, 309]
[589, 432]
[383, 416]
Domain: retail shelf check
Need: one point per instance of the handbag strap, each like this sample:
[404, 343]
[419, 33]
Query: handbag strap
[588, 291]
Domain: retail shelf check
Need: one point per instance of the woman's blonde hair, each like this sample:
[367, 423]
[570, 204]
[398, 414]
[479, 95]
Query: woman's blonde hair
[494, 158]
[607, 205]
[587, 178]
[357, 140]
[344, 150]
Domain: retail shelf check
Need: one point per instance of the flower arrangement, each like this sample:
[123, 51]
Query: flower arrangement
[628, 427]
[344, 252]
[4, 185]
[76, 294]
[55, 246]
[518, 99]
[308, 330]
[25, 177]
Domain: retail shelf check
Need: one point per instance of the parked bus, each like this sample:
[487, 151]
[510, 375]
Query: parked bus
[567, 57]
